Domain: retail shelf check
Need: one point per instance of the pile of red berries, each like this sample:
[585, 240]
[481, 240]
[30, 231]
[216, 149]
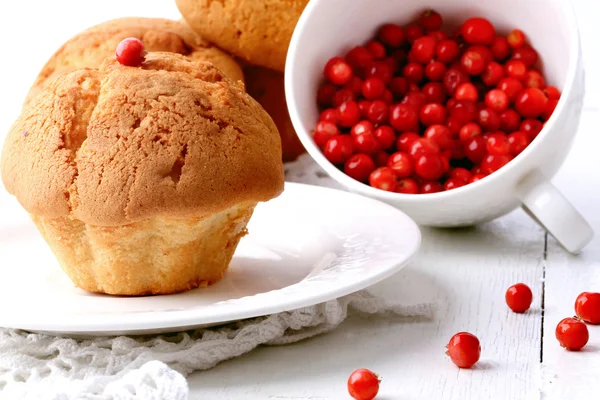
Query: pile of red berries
[464, 348]
[416, 111]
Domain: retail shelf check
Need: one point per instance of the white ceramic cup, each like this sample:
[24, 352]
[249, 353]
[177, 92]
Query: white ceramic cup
[332, 27]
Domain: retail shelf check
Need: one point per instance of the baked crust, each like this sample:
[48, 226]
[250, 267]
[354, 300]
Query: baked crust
[91, 47]
[258, 31]
[267, 87]
[172, 138]
[155, 256]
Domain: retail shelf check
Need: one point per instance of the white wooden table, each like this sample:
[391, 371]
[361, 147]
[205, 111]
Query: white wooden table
[465, 271]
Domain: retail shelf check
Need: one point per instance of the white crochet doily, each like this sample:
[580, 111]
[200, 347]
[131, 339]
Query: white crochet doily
[38, 366]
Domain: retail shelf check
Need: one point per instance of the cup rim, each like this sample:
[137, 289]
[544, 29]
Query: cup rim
[516, 163]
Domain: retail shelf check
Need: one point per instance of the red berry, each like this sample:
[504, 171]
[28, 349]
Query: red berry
[359, 167]
[325, 95]
[531, 102]
[365, 143]
[130, 52]
[478, 31]
[488, 119]
[497, 143]
[407, 186]
[476, 177]
[463, 111]
[329, 115]
[492, 74]
[462, 174]
[376, 49]
[552, 93]
[431, 187]
[464, 349]
[550, 107]
[324, 131]
[348, 114]
[466, 91]
[342, 96]
[378, 112]
[414, 72]
[423, 146]
[359, 57]
[531, 127]
[516, 38]
[493, 162]
[534, 79]
[373, 88]
[392, 64]
[401, 164]
[472, 62]
[440, 135]
[354, 85]
[338, 149]
[363, 106]
[434, 92]
[432, 113]
[387, 97]
[500, 48]
[404, 118]
[527, 54]
[587, 307]
[515, 69]
[454, 183]
[381, 70]
[572, 334]
[338, 71]
[509, 120]
[447, 51]
[405, 141]
[415, 100]
[381, 158]
[391, 35]
[453, 78]
[413, 32]
[399, 86]
[511, 86]
[475, 149]
[435, 71]
[517, 142]
[438, 35]
[363, 385]
[468, 131]
[430, 20]
[383, 178]
[429, 166]
[497, 100]
[519, 297]
[423, 49]
[385, 137]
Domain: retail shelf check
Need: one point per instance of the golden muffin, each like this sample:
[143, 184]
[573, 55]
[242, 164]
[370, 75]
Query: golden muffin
[267, 87]
[258, 31]
[91, 47]
[142, 179]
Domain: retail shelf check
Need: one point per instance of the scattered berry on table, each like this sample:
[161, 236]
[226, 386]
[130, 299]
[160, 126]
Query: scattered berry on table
[587, 307]
[519, 297]
[464, 349]
[363, 384]
[572, 334]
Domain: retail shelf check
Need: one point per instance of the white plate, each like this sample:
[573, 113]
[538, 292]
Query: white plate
[309, 245]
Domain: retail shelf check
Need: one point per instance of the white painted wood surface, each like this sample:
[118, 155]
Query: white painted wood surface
[465, 271]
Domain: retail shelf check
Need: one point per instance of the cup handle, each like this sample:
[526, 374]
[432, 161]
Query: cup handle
[546, 205]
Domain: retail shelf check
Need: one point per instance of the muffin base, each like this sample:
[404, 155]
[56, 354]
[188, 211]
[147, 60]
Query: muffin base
[156, 256]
